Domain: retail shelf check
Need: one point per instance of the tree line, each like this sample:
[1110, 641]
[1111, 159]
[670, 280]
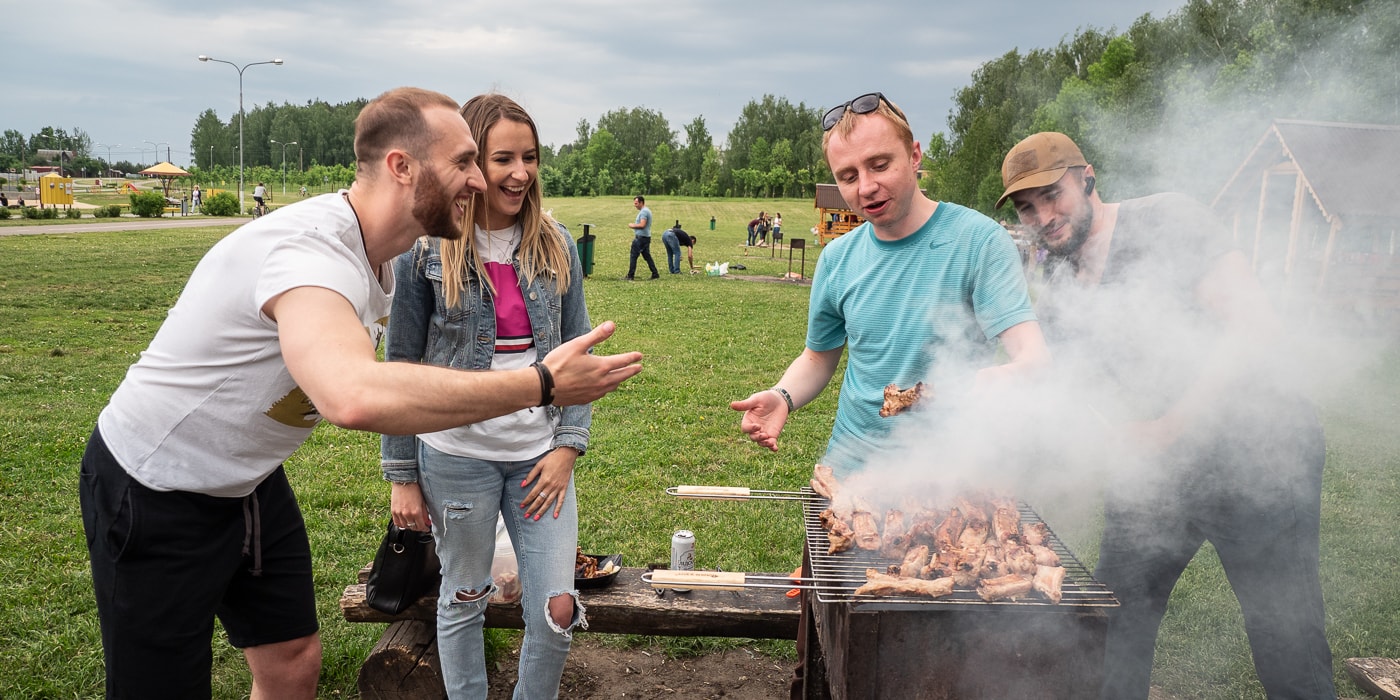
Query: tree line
[774, 150]
[1175, 102]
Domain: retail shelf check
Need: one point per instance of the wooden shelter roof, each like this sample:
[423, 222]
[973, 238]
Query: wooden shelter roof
[1348, 168]
[829, 197]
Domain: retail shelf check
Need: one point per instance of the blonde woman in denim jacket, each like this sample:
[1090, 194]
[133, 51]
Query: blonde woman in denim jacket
[504, 295]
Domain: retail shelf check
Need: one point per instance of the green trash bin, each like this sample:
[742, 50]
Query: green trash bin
[585, 250]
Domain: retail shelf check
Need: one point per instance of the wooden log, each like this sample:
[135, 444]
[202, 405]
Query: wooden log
[630, 606]
[403, 665]
[1380, 677]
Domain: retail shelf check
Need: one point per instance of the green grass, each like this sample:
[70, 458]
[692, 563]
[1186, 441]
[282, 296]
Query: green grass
[75, 310]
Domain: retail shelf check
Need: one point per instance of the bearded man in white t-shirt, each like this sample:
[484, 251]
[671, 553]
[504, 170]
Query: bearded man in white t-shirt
[186, 507]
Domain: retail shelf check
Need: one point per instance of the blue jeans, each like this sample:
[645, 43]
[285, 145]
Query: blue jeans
[753, 235]
[464, 495]
[673, 252]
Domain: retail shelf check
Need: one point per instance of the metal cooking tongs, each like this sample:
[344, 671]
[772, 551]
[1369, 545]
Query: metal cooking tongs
[738, 493]
[736, 581]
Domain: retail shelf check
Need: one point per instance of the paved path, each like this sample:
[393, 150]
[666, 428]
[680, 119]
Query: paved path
[125, 225]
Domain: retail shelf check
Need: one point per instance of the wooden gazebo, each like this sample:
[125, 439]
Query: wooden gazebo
[1314, 207]
[834, 216]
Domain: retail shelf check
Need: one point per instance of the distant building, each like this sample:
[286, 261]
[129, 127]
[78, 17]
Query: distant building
[834, 216]
[1314, 208]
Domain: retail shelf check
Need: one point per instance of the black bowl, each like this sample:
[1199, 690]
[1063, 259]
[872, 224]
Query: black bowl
[601, 581]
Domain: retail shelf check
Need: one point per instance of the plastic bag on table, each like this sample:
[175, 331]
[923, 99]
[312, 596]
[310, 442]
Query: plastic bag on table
[505, 571]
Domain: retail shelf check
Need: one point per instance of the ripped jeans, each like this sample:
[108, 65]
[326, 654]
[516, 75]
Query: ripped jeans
[464, 496]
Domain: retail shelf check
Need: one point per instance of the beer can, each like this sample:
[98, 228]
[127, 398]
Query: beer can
[683, 554]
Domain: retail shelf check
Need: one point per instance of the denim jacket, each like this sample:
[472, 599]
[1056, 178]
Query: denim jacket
[423, 329]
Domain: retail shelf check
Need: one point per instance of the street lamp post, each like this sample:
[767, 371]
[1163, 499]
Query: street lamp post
[109, 147]
[156, 148]
[275, 62]
[284, 162]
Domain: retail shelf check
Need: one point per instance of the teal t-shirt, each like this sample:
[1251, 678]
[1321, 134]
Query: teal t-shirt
[923, 308]
[643, 217]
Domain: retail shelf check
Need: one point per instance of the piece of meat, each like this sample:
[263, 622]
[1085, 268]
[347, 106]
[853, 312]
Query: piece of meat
[894, 539]
[923, 523]
[867, 532]
[940, 565]
[973, 509]
[1009, 587]
[838, 531]
[824, 482]
[914, 562]
[843, 505]
[877, 583]
[974, 534]
[898, 400]
[945, 538]
[1048, 581]
[1019, 560]
[1044, 556]
[967, 566]
[1036, 533]
[1006, 525]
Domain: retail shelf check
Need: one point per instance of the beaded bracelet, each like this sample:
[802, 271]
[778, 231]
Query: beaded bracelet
[787, 398]
[546, 384]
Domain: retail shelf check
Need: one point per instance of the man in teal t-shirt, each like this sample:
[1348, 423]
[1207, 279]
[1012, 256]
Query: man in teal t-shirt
[920, 284]
[641, 239]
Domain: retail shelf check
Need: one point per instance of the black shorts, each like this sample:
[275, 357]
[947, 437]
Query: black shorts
[165, 563]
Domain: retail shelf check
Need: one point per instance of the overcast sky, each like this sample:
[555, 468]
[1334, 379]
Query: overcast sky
[126, 72]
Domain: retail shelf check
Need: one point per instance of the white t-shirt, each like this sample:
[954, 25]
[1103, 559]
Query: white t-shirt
[210, 406]
[524, 434]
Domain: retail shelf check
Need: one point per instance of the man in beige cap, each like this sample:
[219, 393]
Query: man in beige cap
[1153, 291]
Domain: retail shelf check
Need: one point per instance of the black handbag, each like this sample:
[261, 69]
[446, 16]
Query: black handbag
[405, 568]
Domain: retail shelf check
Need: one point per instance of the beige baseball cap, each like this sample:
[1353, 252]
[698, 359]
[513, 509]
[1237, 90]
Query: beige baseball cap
[1038, 160]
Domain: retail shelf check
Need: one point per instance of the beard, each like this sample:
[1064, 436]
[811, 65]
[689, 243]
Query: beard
[434, 209]
[1080, 221]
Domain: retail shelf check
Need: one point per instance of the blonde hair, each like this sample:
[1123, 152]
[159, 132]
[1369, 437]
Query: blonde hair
[886, 109]
[542, 245]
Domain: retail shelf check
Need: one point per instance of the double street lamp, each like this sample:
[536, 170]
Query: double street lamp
[157, 146]
[275, 62]
[109, 147]
[284, 162]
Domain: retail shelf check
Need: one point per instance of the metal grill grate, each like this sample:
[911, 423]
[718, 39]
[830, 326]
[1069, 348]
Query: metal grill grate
[842, 573]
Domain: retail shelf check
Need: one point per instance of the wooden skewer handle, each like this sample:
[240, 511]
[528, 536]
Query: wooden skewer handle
[712, 491]
[712, 580]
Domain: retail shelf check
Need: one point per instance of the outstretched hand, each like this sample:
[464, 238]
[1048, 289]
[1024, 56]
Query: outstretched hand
[765, 414]
[581, 377]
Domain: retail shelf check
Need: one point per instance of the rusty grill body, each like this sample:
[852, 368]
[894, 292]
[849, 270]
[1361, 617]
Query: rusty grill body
[953, 647]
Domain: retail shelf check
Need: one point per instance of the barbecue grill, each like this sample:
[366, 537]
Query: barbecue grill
[959, 646]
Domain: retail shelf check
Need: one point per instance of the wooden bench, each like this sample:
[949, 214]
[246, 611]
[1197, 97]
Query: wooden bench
[403, 665]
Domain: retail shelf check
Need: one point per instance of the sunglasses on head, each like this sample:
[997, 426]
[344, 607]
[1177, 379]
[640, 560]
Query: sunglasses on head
[865, 104]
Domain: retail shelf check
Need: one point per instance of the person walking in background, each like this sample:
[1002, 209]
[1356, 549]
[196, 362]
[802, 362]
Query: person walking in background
[641, 239]
[777, 227]
[1232, 454]
[187, 510]
[196, 198]
[673, 248]
[754, 226]
[500, 297]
